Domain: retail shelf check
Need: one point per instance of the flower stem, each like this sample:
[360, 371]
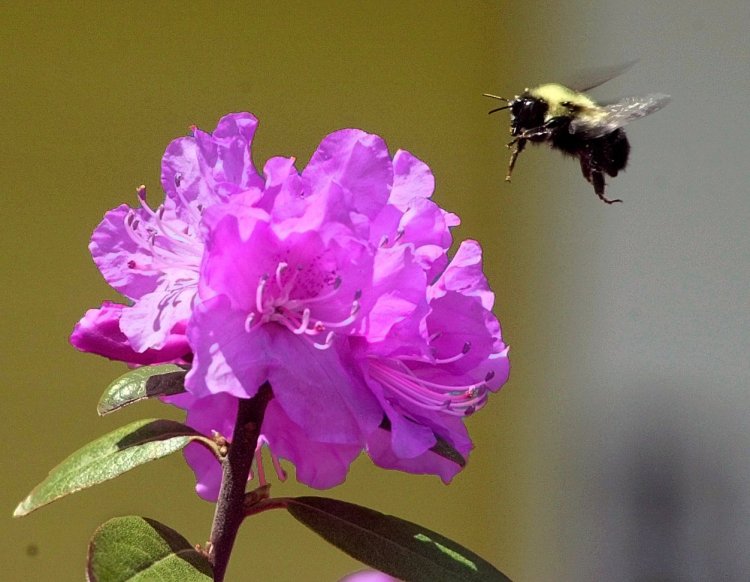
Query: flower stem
[235, 470]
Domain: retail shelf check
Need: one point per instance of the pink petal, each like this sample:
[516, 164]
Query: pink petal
[356, 161]
[114, 252]
[464, 275]
[206, 168]
[412, 179]
[98, 332]
[227, 358]
[320, 390]
[319, 465]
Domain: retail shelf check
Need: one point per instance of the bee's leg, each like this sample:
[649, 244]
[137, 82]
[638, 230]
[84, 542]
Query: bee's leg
[602, 161]
[517, 145]
[593, 173]
[542, 131]
[597, 179]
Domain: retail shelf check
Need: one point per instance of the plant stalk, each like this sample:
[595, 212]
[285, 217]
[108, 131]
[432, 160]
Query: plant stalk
[235, 470]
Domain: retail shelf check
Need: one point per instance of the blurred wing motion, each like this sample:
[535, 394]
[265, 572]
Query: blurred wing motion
[591, 78]
[608, 118]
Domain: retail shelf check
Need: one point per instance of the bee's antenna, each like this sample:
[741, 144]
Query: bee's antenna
[499, 99]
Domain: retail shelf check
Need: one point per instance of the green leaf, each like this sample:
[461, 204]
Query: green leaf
[397, 547]
[142, 383]
[109, 456]
[445, 450]
[138, 548]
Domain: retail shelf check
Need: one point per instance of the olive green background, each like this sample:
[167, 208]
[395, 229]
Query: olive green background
[617, 450]
[94, 94]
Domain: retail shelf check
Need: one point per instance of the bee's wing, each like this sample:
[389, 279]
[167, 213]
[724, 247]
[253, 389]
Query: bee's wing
[588, 79]
[610, 117]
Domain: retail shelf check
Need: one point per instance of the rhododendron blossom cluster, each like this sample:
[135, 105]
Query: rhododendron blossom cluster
[333, 285]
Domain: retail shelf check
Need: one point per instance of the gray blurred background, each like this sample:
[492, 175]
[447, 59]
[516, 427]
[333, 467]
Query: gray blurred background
[647, 385]
[618, 450]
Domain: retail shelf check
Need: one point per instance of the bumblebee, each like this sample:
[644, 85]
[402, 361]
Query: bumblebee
[570, 121]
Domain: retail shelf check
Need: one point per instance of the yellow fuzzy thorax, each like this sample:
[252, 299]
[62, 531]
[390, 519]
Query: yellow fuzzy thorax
[561, 98]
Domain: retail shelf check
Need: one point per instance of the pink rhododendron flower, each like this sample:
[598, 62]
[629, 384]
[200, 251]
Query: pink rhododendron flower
[334, 285]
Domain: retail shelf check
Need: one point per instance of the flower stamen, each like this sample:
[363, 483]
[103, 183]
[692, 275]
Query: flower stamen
[164, 229]
[464, 350]
[302, 327]
[327, 344]
[167, 247]
[259, 293]
[275, 461]
[281, 267]
[194, 210]
[397, 377]
[273, 304]
[259, 464]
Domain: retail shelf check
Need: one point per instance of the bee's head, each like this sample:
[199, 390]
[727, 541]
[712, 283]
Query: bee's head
[526, 112]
